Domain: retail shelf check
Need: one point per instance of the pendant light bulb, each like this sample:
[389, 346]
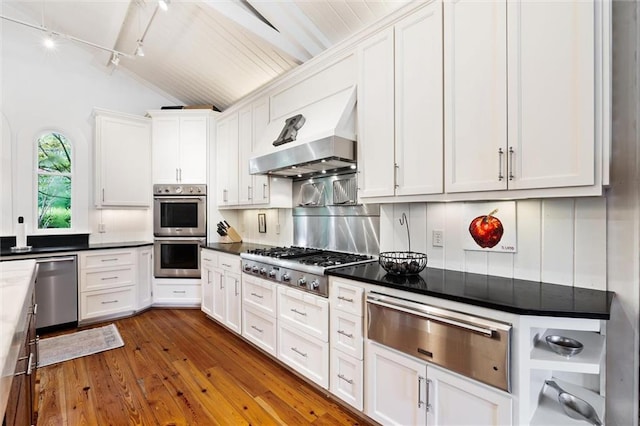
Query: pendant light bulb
[48, 42]
[164, 4]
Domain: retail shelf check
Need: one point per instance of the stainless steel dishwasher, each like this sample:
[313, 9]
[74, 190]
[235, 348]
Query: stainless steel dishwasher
[56, 291]
[472, 346]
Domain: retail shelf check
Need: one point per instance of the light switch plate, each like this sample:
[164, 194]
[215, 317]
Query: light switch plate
[437, 238]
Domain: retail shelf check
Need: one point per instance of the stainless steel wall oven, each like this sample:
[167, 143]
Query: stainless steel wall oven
[180, 229]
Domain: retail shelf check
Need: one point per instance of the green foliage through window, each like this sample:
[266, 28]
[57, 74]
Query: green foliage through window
[54, 181]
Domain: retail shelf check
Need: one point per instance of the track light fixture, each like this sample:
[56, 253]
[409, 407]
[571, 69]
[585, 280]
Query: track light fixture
[139, 51]
[115, 59]
[164, 4]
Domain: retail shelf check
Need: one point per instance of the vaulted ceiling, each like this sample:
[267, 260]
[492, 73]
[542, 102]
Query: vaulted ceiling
[208, 51]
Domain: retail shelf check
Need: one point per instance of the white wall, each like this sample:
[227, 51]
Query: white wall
[44, 90]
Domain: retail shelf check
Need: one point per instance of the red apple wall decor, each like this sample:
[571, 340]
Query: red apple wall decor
[486, 230]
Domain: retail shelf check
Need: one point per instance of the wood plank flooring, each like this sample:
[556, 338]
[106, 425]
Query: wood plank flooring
[178, 367]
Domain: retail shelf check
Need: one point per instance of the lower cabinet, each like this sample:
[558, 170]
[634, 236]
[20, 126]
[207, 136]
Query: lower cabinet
[223, 289]
[259, 314]
[145, 277]
[402, 390]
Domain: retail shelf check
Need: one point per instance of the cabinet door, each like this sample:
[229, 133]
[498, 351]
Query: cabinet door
[207, 291]
[233, 302]
[551, 93]
[395, 387]
[227, 161]
[260, 122]
[145, 274]
[165, 134]
[245, 140]
[475, 97]
[418, 102]
[375, 116]
[194, 135]
[219, 297]
[123, 161]
[458, 401]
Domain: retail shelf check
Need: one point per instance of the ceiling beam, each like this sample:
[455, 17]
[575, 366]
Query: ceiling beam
[235, 11]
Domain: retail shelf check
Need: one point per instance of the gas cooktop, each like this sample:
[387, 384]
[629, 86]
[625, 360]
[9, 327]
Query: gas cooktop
[299, 267]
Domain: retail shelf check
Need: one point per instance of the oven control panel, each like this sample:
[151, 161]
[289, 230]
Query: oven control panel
[312, 283]
[180, 190]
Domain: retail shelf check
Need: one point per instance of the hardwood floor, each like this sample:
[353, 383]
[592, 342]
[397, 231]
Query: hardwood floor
[178, 367]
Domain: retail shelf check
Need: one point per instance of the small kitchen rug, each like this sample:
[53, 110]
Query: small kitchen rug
[81, 343]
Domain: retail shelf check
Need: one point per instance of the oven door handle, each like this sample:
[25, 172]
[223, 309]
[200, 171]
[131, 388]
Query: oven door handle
[178, 240]
[179, 199]
[401, 307]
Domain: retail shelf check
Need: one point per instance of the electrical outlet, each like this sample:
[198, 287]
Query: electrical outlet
[437, 238]
[101, 228]
[277, 228]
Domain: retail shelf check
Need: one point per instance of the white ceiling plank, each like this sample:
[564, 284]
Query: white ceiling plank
[237, 13]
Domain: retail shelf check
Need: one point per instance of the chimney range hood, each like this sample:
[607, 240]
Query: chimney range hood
[325, 143]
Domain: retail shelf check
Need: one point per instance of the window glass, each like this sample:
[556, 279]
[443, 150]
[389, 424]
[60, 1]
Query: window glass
[54, 181]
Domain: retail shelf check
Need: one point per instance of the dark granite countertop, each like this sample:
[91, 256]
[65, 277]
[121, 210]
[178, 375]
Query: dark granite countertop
[236, 248]
[6, 252]
[503, 294]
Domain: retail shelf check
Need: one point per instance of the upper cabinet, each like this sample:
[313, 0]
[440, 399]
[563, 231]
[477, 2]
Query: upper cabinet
[122, 160]
[400, 107]
[522, 107]
[237, 135]
[180, 141]
[227, 161]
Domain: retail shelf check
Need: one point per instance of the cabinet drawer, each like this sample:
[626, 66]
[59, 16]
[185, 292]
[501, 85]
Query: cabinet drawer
[107, 259]
[107, 302]
[346, 378]
[229, 262]
[346, 333]
[259, 329]
[306, 312]
[307, 355]
[259, 294]
[208, 259]
[177, 294]
[107, 278]
[346, 297]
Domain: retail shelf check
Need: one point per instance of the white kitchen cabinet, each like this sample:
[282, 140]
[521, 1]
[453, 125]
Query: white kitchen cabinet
[259, 313]
[254, 189]
[402, 390]
[182, 292]
[107, 284]
[227, 135]
[180, 141]
[346, 338]
[227, 292]
[208, 262]
[145, 277]
[122, 160]
[520, 95]
[400, 107]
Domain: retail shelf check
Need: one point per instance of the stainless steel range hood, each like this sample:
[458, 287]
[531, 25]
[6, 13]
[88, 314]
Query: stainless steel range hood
[324, 144]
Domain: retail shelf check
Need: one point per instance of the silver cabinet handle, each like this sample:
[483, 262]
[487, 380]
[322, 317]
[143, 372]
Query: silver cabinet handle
[500, 154]
[109, 278]
[236, 285]
[177, 178]
[109, 301]
[180, 291]
[341, 376]
[224, 195]
[29, 369]
[221, 282]
[228, 266]
[103, 195]
[428, 393]
[249, 195]
[510, 163]
[395, 175]
[294, 310]
[264, 191]
[257, 295]
[344, 333]
[298, 352]
[180, 174]
[113, 259]
[420, 401]
[346, 299]
[208, 277]
[257, 329]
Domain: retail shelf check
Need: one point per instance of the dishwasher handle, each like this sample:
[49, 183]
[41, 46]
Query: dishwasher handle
[398, 305]
[56, 259]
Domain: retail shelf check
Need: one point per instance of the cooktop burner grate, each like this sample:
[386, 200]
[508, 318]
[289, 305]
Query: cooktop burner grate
[284, 252]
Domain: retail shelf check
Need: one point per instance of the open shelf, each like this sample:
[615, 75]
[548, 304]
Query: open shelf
[588, 361]
[550, 412]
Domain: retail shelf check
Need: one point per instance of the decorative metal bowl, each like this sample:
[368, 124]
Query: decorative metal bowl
[402, 262]
[564, 346]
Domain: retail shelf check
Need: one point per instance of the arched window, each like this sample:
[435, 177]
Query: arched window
[54, 181]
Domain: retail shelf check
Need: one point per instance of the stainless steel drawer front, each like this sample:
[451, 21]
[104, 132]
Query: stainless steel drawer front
[472, 346]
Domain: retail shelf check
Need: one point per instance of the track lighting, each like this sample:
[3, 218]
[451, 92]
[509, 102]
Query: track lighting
[115, 59]
[139, 51]
[164, 4]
